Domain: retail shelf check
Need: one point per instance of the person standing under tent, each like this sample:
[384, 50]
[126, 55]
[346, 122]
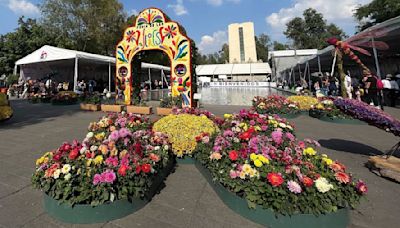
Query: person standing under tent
[371, 90]
[92, 85]
[394, 92]
[347, 84]
[386, 89]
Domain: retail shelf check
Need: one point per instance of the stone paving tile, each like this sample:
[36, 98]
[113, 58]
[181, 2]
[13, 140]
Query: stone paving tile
[6, 190]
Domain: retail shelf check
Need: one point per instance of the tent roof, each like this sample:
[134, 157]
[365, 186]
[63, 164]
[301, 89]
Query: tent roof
[49, 53]
[233, 69]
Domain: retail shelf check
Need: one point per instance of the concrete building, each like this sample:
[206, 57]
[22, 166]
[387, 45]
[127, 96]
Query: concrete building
[242, 44]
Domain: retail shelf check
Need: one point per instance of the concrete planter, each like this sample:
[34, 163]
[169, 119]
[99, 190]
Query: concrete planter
[164, 111]
[267, 217]
[139, 110]
[90, 107]
[86, 214]
[111, 108]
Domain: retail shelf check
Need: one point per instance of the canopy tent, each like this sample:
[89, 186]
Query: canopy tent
[71, 64]
[381, 62]
[233, 69]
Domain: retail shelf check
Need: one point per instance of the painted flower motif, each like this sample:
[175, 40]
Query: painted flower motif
[342, 177]
[323, 185]
[294, 187]
[275, 179]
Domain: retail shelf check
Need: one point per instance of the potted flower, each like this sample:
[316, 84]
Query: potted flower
[65, 98]
[139, 107]
[263, 172]
[115, 171]
[167, 104]
[109, 105]
[91, 103]
[276, 104]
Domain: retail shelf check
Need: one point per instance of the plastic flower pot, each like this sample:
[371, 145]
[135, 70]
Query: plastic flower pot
[111, 108]
[266, 217]
[90, 107]
[164, 111]
[86, 214]
[139, 109]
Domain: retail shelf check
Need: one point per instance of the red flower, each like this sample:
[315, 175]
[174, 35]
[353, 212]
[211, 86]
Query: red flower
[122, 170]
[361, 187]
[342, 177]
[308, 182]
[247, 134]
[275, 179]
[73, 154]
[337, 167]
[233, 155]
[57, 157]
[138, 169]
[146, 168]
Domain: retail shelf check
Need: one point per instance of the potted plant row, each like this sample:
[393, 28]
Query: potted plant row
[91, 103]
[139, 107]
[167, 104]
[327, 111]
[275, 104]
[110, 105]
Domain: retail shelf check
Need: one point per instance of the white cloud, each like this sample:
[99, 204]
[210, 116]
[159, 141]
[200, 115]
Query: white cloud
[23, 7]
[334, 11]
[210, 44]
[133, 12]
[220, 2]
[178, 8]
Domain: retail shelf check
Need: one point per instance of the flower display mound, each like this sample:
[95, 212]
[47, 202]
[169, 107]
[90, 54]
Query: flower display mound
[370, 114]
[327, 109]
[275, 104]
[65, 98]
[117, 160]
[185, 131]
[304, 102]
[258, 158]
[5, 109]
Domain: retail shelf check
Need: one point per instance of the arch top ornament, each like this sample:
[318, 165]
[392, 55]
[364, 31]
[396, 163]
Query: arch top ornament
[152, 31]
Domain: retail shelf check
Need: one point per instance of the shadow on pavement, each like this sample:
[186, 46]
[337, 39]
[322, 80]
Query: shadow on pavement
[349, 146]
[27, 114]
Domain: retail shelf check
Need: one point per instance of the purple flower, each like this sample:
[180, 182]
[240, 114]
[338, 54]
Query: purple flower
[277, 137]
[252, 122]
[294, 187]
[264, 127]
[114, 136]
[228, 133]
[123, 132]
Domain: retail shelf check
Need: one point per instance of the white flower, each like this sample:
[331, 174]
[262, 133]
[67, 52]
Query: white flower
[89, 135]
[166, 147]
[67, 177]
[282, 125]
[83, 150]
[323, 185]
[236, 140]
[108, 95]
[57, 173]
[66, 168]
[157, 148]
[93, 148]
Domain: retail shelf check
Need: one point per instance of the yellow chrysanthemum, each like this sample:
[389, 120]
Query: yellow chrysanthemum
[309, 151]
[183, 129]
[258, 163]
[98, 159]
[304, 102]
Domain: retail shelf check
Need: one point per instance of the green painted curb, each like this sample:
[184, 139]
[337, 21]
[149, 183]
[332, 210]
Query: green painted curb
[86, 214]
[268, 218]
[336, 120]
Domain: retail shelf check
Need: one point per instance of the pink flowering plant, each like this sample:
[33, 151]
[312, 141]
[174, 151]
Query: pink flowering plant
[275, 104]
[113, 162]
[258, 158]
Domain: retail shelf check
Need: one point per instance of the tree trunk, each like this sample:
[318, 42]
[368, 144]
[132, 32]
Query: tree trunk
[339, 62]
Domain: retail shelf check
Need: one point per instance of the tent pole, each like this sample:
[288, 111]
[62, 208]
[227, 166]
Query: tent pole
[162, 79]
[150, 79]
[333, 63]
[309, 76]
[378, 69]
[319, 64]
[76, 74]
[15, 69]
[109, 76]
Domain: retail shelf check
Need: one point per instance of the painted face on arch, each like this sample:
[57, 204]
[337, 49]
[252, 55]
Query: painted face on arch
[180, 70]
[123, 72]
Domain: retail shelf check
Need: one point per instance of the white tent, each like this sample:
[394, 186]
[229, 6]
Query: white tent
[41, 59]
[233, 69]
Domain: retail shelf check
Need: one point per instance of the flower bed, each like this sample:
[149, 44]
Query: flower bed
[259, 159]
[305, 102]
[118, 160]
[371, 115]
[184, 130]
[65, 98]
[275, 104]
[326, 110]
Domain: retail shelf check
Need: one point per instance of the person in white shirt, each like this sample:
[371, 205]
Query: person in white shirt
[347, 84]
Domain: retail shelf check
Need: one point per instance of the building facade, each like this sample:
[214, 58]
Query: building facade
[242, 44]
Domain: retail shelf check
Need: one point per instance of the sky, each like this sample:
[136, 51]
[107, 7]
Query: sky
[206, 21]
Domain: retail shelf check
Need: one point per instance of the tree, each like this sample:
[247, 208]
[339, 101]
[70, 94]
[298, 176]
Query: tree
[277, 46]
[376, 12]
[86, 25]
[262, 46]
[224, 54]
[28, 37]
[311, 31]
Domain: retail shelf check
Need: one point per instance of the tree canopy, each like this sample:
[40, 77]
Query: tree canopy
[376, 12]
[311, 31]
[263, 43]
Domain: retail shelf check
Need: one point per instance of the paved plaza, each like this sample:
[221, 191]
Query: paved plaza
[187, 199]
